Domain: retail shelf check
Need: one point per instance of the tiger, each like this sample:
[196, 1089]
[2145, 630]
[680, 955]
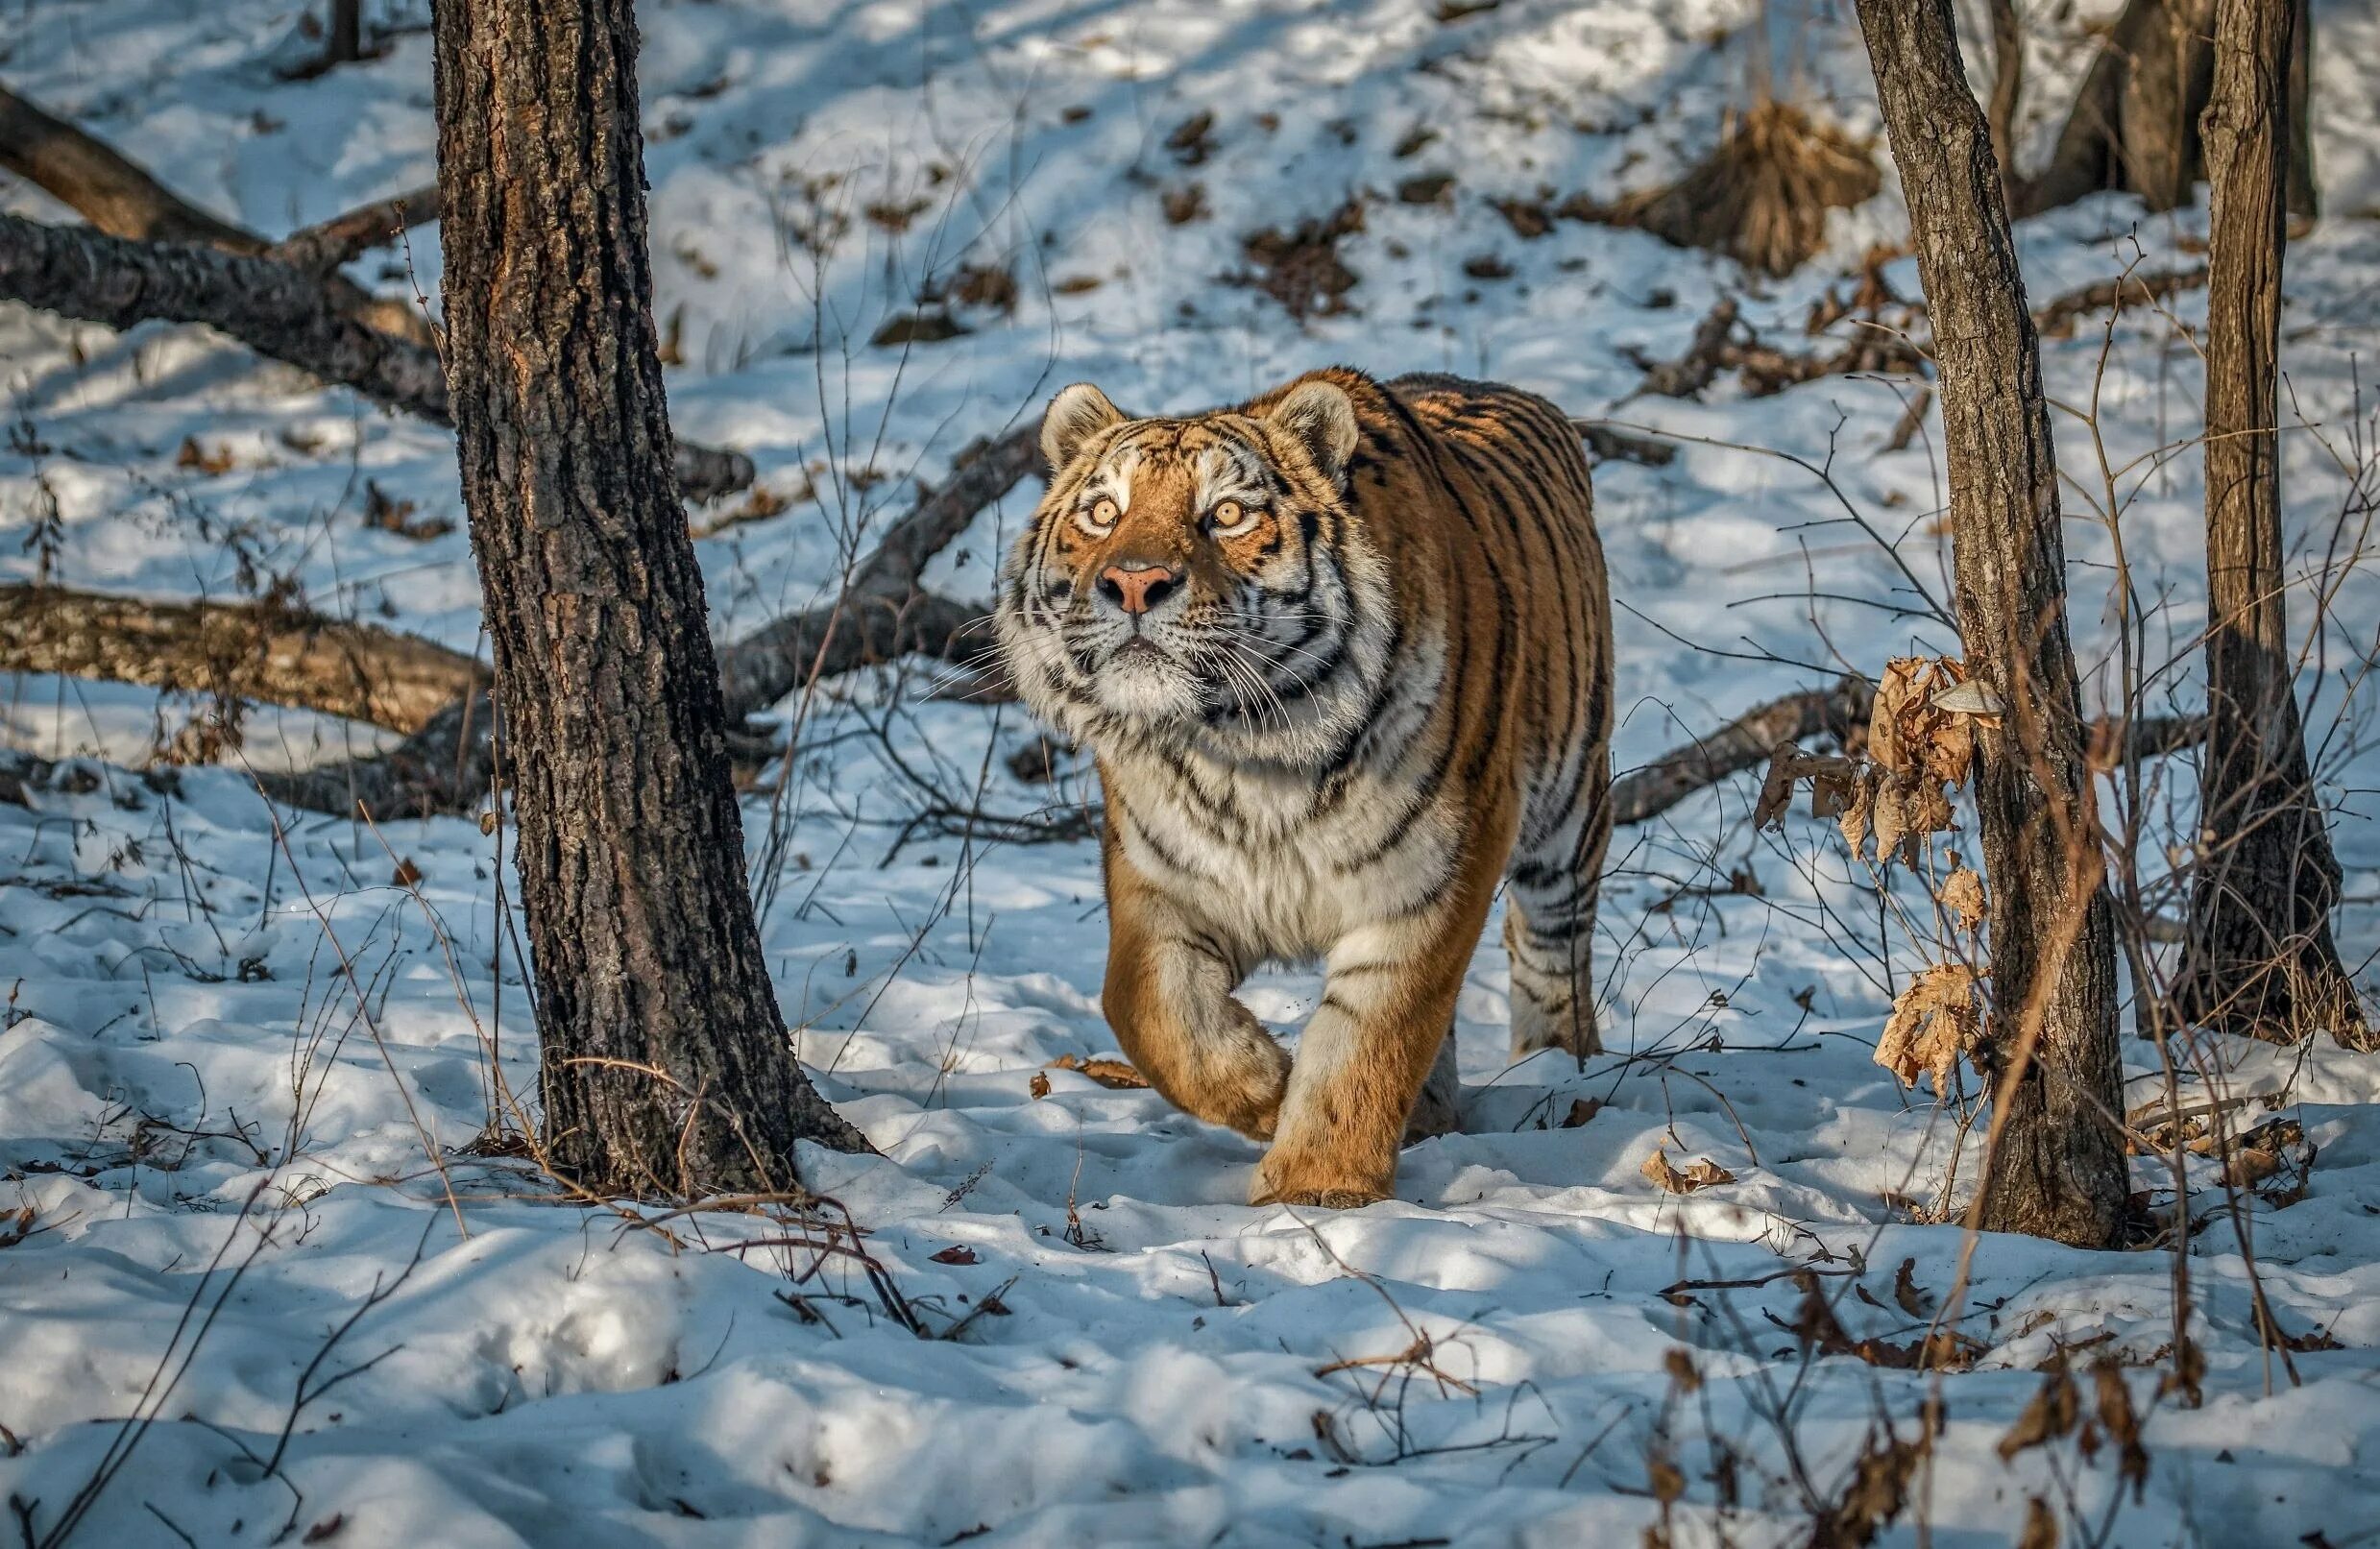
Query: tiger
[1342, 656]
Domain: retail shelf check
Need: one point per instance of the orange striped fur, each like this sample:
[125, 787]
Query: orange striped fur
[1342, 654]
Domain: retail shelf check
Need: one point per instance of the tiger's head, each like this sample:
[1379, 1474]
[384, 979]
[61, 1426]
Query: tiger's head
[1199, 582]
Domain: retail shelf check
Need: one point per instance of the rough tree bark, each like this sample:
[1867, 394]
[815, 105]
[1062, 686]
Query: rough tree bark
[2055, 1165]
[2134, 123]
[2258, 956]
[667, 1068]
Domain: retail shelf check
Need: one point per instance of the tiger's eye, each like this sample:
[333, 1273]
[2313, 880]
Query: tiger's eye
[1228, 514]
[1104, 513]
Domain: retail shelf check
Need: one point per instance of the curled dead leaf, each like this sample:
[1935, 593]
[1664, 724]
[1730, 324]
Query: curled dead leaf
[2050, 1414]
[1701, 1175]
[1962, 896]
[1934, 1020]
[1924, 716]
[1038, 1086]
[1861, 815]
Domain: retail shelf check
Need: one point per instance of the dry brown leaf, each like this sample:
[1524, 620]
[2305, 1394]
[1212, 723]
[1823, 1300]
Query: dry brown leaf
[1777, 788]
[2050, 1414]
[213, 464]
[1701, 1175]
[1962, 895]
[2040, 1526]
[1833, 789]
[1581, 1109]
[1949, 751]
[1933, 1022]
[1913, 1301]
[1857, 817]
[1922, 720]
[1038, 1086]
[1895, 696]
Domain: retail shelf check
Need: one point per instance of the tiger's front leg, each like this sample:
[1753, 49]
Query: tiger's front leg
[1168, 998]
[1387, 1011]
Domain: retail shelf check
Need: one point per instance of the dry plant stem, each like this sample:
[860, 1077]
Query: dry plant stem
[2054, 1163]
[2258, 958]
[667, 1068]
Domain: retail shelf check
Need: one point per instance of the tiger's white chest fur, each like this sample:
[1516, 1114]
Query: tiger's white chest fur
[1284, 862]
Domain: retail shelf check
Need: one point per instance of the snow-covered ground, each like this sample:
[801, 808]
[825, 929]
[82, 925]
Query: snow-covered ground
[244, 1061]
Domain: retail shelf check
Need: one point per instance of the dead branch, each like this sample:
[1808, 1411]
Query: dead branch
[101, 186]
[1752, 737]
[1886, 341]
[1606, 444]
[883, 613]
[271, 306]
[1745, 742]
[343, 238]
[121, 199]
[254, 650]
[1706, 355]
[2058, 319]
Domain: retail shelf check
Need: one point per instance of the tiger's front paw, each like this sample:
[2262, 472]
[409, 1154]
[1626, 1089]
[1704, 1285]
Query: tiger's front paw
[1319, 1182]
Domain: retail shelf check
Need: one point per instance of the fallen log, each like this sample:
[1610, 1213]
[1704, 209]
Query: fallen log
[121, 199]
[273, 307]
[249, 650]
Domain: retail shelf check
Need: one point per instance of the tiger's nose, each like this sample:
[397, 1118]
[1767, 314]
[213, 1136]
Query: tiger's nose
[1138, 588]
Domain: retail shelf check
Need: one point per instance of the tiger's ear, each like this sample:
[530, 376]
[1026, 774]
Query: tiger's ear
[1322, 418]
[1076, 415]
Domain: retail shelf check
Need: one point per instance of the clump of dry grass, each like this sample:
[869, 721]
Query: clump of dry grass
[1761, 197]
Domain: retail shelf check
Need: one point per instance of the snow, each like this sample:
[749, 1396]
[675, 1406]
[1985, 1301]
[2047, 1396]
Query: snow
[243, 1063]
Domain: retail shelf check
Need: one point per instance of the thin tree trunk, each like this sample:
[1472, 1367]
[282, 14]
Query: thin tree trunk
[346, 43]
[2007, 93]
[2055, 1164]
[2258, 956]
[2134, 126]
[666, 1064]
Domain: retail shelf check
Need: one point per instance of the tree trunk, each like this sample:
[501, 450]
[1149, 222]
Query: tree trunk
[2258, 956]
[2135, 123]
[666, 1064]
[2054, 1163]
[2007, 30]
[346, 43]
